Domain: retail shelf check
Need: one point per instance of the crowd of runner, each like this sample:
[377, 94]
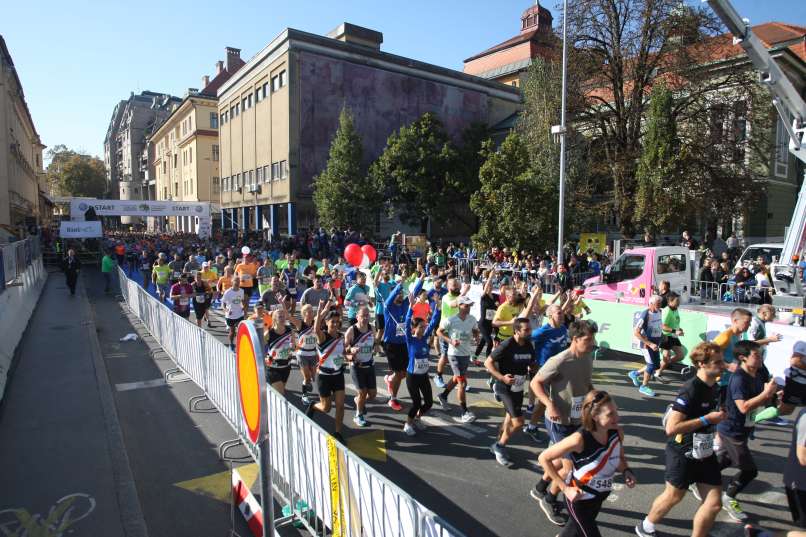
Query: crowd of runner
[538, 350]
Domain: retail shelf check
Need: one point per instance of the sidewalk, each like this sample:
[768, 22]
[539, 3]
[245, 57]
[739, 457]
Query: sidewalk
[62, 457]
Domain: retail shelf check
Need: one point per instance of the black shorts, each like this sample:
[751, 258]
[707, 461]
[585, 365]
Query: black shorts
[276, 374]
[397, 355]
[234, 322]
[363, 377]
[329, 384]
[512, 401]
[380, 322]
[183, 313]
[669, 342]
[794, 392]
[682, 471]
[797, 506]
[200, 309]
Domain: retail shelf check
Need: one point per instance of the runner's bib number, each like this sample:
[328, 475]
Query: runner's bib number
[399, 331]
[177, 274]
[292, 290]
[601, 484]
[201, 299]
[489, 315]
[146, 266]
[517, 386]
[245, 277]
[576, 407]
[421, 365]
[702, 445]
[183, 301]
[338, 361]
[309, 341]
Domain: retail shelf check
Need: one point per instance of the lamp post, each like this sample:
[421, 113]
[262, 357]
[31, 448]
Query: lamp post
[559, 130]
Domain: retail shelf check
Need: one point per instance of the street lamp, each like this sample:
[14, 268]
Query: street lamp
[560, 130]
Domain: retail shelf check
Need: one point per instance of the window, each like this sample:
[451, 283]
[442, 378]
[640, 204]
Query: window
[249, 101]
[165, 192]
[781, 163]
[251, 177]
[191, 155]
[717, 124]
[184, 158]
[238, 180]
[266, 177]
[216, 187]
[232, 112]
[190, 123]
[275, 83]
[237, 109]
[283, 169]
[259, 176]
[257, 95]
[739, 131]
[626, 267]
[283, 79]
[213, 120]
[668, 264]
[275, 171]
[215, 153]
[223, 117]
[243, 104]
[164, 167]
[265, 89]
[176, 159]
[176, 189]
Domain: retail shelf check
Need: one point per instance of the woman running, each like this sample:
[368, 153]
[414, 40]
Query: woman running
[202, 296]
[359, 342]
[417, 381]
[306, 351]
[279, 345]
[597, 453]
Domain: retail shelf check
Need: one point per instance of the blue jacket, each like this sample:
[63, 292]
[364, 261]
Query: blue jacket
[394, 315]
[418, 347]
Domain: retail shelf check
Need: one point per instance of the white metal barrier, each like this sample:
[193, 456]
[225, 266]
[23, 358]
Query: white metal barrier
[311, 472]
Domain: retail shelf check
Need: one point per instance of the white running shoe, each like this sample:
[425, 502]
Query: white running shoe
[468, 417]
[409, 430]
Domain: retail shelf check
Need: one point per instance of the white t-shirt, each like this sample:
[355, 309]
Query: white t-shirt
[456, 328]
[233, 302]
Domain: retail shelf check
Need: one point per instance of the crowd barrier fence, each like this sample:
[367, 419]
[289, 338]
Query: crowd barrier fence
[329, 489]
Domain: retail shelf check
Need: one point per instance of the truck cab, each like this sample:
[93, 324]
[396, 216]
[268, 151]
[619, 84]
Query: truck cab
[637, 273]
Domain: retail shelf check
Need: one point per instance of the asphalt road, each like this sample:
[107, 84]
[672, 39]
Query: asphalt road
[450, 469]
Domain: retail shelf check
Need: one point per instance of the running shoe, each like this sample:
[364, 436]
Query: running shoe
[468, 388]
[467, 417]
[360, 420]
[779, 421]
[731, 505]
[388, 380]
[477, 362]
[439, 381]
[641, 532]
[536, 435]
[500, 454]
[530, 408]
[408, 429]
[395, 405]
[646, 390]
[695, 490]
[634, 378]
[443, 402]
[553, 511]
[490, 382]
[660, 378]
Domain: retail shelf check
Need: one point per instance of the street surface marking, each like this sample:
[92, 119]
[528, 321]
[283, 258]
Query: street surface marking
[455, 429]
[65, 513]
[128, 386]
[218, 486]
[371, 445]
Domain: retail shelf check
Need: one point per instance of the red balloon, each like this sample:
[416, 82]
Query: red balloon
[372, 254]
[353, 254]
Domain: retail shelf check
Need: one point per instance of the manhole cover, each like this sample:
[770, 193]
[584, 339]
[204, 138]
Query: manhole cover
[60, 327]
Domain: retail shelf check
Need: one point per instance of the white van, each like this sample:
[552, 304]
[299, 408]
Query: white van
[771, 252]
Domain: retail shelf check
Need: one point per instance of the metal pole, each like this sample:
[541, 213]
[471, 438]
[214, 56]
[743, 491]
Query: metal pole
[561, 226]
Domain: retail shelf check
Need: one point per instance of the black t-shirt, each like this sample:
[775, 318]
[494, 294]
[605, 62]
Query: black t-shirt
[741, 387]
[488, 303]
[695, 399]
[513, 358]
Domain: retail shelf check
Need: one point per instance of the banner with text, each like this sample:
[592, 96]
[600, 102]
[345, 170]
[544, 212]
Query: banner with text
[199, 209]
[80, 230]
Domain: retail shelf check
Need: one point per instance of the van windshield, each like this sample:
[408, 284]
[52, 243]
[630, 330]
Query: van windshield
[626, 267]
[752, 254]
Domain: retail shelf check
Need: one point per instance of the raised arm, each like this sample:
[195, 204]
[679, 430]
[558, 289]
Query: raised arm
[324, 307]
[434, 321]
[393, 294]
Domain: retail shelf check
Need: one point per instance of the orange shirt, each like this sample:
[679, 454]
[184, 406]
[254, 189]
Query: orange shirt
[420, 310]
[247, 272]
[224, 283]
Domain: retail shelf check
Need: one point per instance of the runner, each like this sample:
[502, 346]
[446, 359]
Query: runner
[357, 296]
[330, 380]
[176, 266]
[740, 319]
[459, 333]
[202, 295]
[417, 382]
[648, 330]
[306, 351]
[279, 345]
[315, 294]
[181, 292]
[71, 267]
[394, 340]
[146, 263]
[450, 307]
[383, 286]
[232, 301]
[161, 276]
[264, 274]
[359, 343]
[509, 365]
[749, 390]
[561, 385]
[669, 342]
[596, 453]
[225, 281]
[210, 277]
[247, 272]
[488, 304]
[289, 278]
[690, 458]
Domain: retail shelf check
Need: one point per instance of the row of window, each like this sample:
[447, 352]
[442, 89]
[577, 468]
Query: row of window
[276, 172]
[278, 81]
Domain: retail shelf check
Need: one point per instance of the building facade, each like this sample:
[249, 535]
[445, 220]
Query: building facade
[24, 196]
[280, 111]
[186, 148]
[132, 121]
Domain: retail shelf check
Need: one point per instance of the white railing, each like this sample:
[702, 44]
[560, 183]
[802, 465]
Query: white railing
[311, 472]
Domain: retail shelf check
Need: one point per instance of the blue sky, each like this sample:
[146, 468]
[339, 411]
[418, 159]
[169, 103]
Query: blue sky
[76, 60]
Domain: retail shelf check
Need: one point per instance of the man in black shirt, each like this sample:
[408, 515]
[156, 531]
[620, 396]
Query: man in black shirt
[509, 365]
[71, 266]
[690, 456]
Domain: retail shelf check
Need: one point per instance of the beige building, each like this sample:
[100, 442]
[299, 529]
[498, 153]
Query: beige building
[279, 113]
[24, 199]
[185, 147]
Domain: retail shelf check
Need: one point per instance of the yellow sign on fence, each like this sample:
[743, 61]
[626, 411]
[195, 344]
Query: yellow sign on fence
[593, 241]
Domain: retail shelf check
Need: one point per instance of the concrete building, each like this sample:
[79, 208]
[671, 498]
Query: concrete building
[132, 120]
[186, 147]
[280, 111]
[24, 196]
[508, 62]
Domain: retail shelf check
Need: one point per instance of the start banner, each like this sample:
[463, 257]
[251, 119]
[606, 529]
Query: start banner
[200, 209]
[80, 230]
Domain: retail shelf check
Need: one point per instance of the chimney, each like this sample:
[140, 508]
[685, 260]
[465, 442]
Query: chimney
[357, 35]
[205, 81]
[219, 66]
[233, 55]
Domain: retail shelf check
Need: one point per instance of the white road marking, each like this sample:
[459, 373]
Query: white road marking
[128, 386]
[455, 429]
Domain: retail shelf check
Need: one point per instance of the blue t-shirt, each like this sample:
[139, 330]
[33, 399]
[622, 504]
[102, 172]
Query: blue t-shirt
[742, 387]
[549, 341]
[357, 296]
[595, 267]
[394, 322]
[417, 347]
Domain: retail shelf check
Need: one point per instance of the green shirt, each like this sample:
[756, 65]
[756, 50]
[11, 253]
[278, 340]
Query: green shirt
[107, 264]
[671, 318]
[163, 273]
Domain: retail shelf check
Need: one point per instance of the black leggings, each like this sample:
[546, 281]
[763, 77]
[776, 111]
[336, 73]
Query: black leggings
[736, 454]
[486, 329]
[583, 517]
[419, 387]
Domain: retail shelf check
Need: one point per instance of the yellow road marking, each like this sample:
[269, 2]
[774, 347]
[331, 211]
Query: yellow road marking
[218, 486]
[371, 445]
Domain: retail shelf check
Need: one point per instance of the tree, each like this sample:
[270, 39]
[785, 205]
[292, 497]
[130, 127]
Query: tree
[658, 204]
[418, 174]
[343, 193]
[74, 174]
